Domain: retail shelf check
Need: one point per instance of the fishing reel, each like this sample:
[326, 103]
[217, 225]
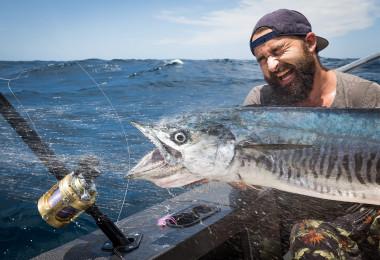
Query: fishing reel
[72, 195]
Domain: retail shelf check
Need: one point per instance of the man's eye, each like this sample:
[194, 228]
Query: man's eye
[262, 60]
[278, 51]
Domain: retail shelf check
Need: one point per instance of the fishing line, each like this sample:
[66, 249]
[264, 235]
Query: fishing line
[118, 253]
[113, 108]
[121, 125]
[9, 87]
[122, 205]
[18, 101]
[170, 193]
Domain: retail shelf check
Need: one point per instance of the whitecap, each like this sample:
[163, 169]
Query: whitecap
[174, 62]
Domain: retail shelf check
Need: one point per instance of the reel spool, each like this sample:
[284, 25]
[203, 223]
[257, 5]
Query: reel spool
[72, 195]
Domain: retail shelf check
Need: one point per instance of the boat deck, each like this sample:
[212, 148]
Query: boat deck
[229, 227]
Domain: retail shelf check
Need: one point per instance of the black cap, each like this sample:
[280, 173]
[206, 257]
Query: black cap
[284, 22]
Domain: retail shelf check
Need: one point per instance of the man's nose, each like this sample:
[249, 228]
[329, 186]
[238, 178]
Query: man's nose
[273, 64]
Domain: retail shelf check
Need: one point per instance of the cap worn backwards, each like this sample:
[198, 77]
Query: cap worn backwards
[284, 22]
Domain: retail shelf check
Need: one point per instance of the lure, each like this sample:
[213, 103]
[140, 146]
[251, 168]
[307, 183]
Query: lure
[162, 221]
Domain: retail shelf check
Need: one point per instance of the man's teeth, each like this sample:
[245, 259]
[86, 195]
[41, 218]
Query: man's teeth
[282, 73]
[285, 76]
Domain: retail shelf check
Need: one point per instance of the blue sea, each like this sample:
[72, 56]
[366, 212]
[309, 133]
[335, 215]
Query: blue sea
[84, 107]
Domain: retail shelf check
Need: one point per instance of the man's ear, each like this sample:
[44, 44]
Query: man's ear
[311, 41]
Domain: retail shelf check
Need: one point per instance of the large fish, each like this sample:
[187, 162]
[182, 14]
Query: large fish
[329, 153]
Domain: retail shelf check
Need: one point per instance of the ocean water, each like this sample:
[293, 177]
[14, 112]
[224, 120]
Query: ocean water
[84, 107]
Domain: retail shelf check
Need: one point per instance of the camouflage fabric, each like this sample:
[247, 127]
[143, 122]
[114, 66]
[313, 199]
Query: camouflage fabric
[352, 236]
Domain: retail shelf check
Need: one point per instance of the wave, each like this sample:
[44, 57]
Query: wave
[163, 64]
[173, 62]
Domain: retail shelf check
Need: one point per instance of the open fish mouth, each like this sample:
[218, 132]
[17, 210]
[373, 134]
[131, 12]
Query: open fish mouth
[162, 156]
[163, 166]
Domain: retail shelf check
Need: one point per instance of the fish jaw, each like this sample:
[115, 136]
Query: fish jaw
[157, 160]
[147, 130]
[161, 174]
[151, 162]
[163, 165]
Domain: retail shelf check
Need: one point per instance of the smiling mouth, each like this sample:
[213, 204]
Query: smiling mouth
[285, 76]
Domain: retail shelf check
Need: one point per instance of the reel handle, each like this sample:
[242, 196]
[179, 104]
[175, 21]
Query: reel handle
[88, 167]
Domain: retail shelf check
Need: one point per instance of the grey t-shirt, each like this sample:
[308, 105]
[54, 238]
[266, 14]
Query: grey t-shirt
[351, 91]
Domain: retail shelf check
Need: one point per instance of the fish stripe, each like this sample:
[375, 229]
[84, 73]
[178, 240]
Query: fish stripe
[313, 162]
[297, 157]
[339, 173]
[333, 158]
[322, 164]
[291, 159]
[284, 163]
[346, 166]
[369, 166]
[275, 168]
[289, 173]
[303, 161]
[358, 166]
[281, 169]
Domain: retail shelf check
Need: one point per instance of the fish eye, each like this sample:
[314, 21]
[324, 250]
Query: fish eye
[179, 137]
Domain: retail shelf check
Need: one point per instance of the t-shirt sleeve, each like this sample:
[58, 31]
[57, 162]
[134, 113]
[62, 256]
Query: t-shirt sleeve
[372, 96]
[253, 98]
[353, 91]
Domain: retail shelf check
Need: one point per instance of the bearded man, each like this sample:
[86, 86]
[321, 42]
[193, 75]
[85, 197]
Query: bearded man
[287, 51]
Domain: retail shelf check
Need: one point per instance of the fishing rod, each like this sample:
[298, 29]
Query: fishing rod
[32, 139]
[358, 63]
[87, 168]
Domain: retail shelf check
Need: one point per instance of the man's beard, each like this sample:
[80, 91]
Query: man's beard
[299, 89]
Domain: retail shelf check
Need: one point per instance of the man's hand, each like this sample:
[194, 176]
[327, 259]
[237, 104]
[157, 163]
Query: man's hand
[239, 185]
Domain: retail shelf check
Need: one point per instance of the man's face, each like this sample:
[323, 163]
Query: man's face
[288, 66]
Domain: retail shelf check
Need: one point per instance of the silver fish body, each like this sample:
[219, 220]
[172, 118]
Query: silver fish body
[329, 153]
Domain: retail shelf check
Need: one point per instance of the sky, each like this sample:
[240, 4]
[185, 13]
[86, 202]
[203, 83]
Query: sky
[169, 29]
